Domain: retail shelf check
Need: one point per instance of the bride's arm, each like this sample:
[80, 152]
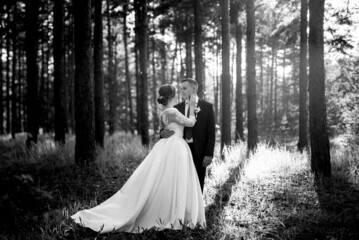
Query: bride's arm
[180, 119]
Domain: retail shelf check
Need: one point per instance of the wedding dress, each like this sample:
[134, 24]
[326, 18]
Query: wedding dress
[163, 192]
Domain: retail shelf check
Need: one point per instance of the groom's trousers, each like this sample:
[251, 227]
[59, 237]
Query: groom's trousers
[198, 163]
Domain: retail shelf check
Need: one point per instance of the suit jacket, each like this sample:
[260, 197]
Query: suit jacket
[203, 131]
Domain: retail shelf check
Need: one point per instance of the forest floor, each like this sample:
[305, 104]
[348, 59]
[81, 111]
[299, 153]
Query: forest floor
[270, 194]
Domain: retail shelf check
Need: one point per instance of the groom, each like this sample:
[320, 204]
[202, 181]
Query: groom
[201, 137]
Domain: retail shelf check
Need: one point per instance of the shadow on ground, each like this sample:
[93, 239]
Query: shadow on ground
[330, 211]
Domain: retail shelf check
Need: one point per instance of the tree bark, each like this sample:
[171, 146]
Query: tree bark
[198, 47]
[59, 77]
[188, 46]
[127, 71]
[303, 78]
[1, 90]
[320, 152]
[239, 93]
[15, 76]
[226, 78]
[284, 85]
[142, 41]
[251, 77]
[154, 89]
[32, 12]
[84, 103]
[111, 81]
[8, 80]
[98, 76]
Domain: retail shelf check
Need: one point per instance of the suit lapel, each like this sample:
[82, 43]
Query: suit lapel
[199, 105]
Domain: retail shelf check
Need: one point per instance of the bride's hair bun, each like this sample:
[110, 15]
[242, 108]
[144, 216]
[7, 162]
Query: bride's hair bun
[166, 92]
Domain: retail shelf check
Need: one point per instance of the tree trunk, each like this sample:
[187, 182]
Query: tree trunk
[154, 89]
[271, 88]
[59, 77]
[84, 103]
[111, 81]
[226, 77]
[163, 55]
[198, 47]
[284, 85]
[174, 61]
[8, 80]
[275, 119]
[71, 75]
[20, 89]
[261, 77]
[98, 76]
[1, 90]
[303, 78]
[294, 76]
[32, 12]
[127, 71]
[188, 46]
[320, 152]
[142, 38]
[15, 76]
[251, 77]
[239, 94]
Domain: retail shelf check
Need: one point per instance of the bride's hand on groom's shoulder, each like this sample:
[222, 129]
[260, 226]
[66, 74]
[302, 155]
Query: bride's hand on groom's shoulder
[165, 133]
[207, 160]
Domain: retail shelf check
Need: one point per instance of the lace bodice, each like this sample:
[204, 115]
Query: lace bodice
[173, 120]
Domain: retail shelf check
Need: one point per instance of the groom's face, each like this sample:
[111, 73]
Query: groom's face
[186, 90]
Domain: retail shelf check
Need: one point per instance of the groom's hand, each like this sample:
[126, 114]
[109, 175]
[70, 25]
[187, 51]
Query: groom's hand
[165, 133]
[207, 160]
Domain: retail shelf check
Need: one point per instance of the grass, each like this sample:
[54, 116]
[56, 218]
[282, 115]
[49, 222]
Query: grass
[272, 194]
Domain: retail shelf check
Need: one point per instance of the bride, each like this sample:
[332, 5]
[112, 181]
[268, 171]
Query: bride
[163, 192]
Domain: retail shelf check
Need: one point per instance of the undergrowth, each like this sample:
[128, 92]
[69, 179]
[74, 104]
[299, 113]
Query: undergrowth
[271, 194]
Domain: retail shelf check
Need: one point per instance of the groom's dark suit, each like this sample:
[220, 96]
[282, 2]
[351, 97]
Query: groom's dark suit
[203, 134]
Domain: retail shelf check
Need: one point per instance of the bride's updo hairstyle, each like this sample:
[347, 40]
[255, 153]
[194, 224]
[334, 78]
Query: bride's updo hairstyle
[166, 92]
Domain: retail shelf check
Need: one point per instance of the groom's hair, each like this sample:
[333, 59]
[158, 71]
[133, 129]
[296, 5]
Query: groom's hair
[191, 82]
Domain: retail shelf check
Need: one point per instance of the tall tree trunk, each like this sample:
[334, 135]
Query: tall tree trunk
[137, 61]
[20, 87]
[218, 91]
[32, 12]
[142, 15]
[303, 78]
[1, 90]
[173, 61]
[71, 75]
[111, 81]
[226, 77]
[59, 77]
[239, 94]
[163, 56]
[271, 88]
[42, 93]
[275, 119]
[320, 152]
[154, 88]
[284, 85]
[127, 71]
[15, 76]
[84, 103]
[251, 77]
[294, 76]
[261, 77]
[8, 80]
[98, 76]
[188, 46]
[198, 47]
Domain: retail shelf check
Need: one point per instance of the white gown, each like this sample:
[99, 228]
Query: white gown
[163, 192]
